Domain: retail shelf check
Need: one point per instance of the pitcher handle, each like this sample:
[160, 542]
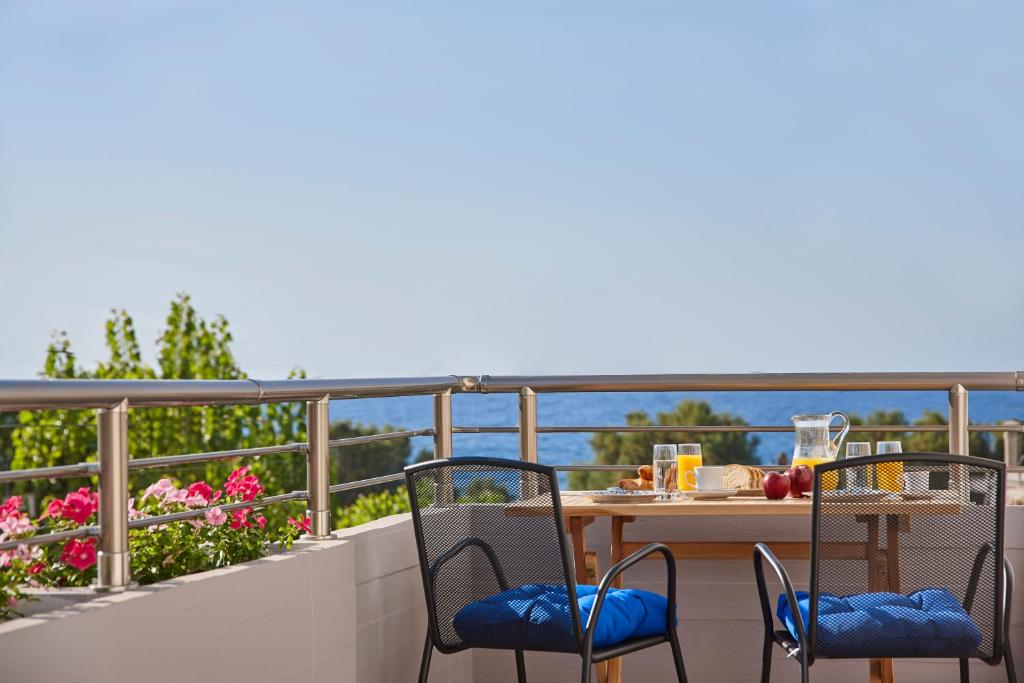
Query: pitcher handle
[838, 441]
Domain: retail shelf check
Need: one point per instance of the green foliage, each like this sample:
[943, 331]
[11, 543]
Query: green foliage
[635, 448]
[485, 490]
[371, 506]
[365, 461]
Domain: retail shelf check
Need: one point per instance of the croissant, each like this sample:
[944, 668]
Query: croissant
[645, 472]
[638, 484]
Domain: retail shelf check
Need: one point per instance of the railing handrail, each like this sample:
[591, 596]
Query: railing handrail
[42, 394]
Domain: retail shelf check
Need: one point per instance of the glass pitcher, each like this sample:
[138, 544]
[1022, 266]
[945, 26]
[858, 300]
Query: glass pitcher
[813, 443]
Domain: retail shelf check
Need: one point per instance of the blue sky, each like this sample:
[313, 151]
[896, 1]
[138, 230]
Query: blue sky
[456, 187]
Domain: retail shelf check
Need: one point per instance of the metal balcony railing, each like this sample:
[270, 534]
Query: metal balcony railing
[112, 400]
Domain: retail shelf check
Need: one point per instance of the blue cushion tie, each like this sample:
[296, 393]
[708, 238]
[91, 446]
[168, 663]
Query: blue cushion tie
[925, 623]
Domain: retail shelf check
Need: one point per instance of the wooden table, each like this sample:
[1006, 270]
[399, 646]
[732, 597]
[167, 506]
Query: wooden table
[883, 569]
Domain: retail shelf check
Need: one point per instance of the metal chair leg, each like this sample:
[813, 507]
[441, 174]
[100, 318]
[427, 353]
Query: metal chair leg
[965, 670]
[766, 660]
[428, 649]
[520, 666]
[677, 655]
[587, 666]
[805, 671]
[1011, 673]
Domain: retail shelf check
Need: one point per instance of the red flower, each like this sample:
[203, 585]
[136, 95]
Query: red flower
[262, 521]
[55, 509]
[240, 519]
[36, 568]
[240, 483]
[79, 554]
[304, 524]
[79, 506]
[201, 489]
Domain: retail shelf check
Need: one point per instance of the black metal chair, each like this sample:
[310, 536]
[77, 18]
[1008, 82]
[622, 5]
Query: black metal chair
[485, 526]
[906, 561]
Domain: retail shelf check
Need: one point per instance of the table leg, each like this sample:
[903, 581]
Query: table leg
[579, 546]
[618, 523]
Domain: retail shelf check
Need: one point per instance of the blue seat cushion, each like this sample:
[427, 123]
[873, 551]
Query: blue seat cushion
[926, 623]
[536, 617]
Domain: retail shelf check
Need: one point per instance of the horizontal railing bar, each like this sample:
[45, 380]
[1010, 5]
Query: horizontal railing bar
[363, 483]
[714, 429]
[170, 460]
[82, 469]
[849, 381]
[370, 438]
[55, 537]
[596, 468]
[143, 522]
[106, 393]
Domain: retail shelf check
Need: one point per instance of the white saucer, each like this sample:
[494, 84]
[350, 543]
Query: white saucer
[710, 494]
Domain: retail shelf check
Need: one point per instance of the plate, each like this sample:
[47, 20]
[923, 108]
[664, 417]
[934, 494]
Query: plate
[616, 496]
[750, 493]
[715, 494]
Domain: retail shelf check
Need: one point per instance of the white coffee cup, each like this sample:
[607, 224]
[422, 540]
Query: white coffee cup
[705, 478]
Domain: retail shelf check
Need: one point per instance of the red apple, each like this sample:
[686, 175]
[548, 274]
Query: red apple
[801, 480]
[776, 485]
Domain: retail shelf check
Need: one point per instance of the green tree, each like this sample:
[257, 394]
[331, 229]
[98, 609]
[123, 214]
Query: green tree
[483, 490]
[365, 461]
[634, 448]
[188, 347]
[878, 417]
[938, 442]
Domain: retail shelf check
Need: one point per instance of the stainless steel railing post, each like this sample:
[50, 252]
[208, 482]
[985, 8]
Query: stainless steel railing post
[318, 469]
[1011, 443]
[443, 424]
[113, 561]
[958, 433]
[528, 425]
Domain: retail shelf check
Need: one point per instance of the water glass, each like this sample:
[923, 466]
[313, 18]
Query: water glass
[665, 469]
[890, 474]
[859, 477]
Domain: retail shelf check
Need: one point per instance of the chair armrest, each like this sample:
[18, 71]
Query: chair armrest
[1007, 598]
[762, 553]
[614, 572]
[972, 585]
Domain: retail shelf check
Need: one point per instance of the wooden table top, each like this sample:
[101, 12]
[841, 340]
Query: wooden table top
[575, 505]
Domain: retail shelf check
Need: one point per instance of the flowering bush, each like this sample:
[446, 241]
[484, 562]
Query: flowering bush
[216, 538]
[18, 566]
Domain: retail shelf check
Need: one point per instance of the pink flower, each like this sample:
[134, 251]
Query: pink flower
[79, 554]
[16, 526]
[262, 521]
[5, 558]
[132, 512]
[78, 506]
[216, 516]
[197, 524]
[159, 489]
[304, 524]
[175, 496]
[36, 568]
[240, 519]
[11, 506]
[216, 496]
[200, 489]
[55, 509]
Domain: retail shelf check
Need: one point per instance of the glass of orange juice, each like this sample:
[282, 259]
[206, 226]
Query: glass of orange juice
[889, 474]
[688, 456]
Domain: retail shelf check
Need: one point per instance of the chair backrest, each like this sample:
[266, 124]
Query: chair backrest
[906, 522]
[485, 525]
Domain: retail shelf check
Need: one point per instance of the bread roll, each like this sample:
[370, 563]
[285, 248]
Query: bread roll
[645, 472]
